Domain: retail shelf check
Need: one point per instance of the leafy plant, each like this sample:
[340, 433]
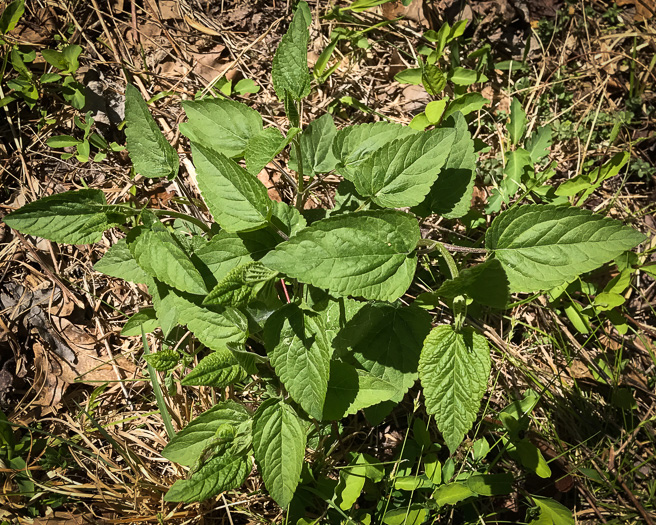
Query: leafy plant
[25, 85]
[311, 306]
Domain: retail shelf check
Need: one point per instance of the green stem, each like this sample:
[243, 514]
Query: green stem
[300, 192]
[154, 380]
[165, 213]
[183, 216]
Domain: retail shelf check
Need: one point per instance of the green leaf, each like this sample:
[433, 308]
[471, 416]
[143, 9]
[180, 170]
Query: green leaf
[241, 285]
[118, 262]
[62, 141]
[466, 104]
[362, 5]
[289, 69]
[145, 318]
[223, 125]
[454, 369]
[517, 122]
[433, 79]
[158, 253]
[151, 153]
[386, 341]
[452, 493]
[552, 513]
[451, 195]
[413, 483]
[490, 484]
[435, 109]
[245, 86]
[73, 217]
[164, 360]
[238, 200]
[538, 143]
[316, 147]
[486, 283]
[354, 144]
[11, 15]
[223, 472]
[414, 514]
[187, 445]
[461, 76]
[409, 76]
[351, 389]
[368, 254]
[401, 172]
[353, 478]
[219, 369]
[279, 446]
[265, 146]
[518, 170]
[300, 353]
[543, 246]
[215, 327]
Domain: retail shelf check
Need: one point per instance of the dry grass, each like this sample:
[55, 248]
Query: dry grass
[105, 433]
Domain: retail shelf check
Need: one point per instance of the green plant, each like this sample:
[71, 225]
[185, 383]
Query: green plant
[311, 306]
[25, 85]
[83, 146]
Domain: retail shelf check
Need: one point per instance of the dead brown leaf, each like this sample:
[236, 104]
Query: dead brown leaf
[644, 9]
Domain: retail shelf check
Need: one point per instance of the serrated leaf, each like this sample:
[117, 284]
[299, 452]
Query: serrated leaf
[386, 341]
[289, 70]
[486, 283]
[317, 147]
[300, 352]
[368, 254]
[226, 126]
[263, 147]
[145, 318]
[543, 246]
[11, 15]
[73, 217]
[118, 262]
[354, 144]
[538, 143]
[214, 326]
[219, 369]
[164, 360]
[151, 153]
[241, 285]
[451, 194]
[517, 122]
[401, 172]
[187, 445]
[454, 369]
[351, 389]
[223, 472]
[237, 199]
[279, 445]
[226, 251]
[466, 104]
[159, 255]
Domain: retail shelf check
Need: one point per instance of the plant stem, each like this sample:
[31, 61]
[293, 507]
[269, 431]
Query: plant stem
[300, 197]
[154, 380]
[183, 216]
